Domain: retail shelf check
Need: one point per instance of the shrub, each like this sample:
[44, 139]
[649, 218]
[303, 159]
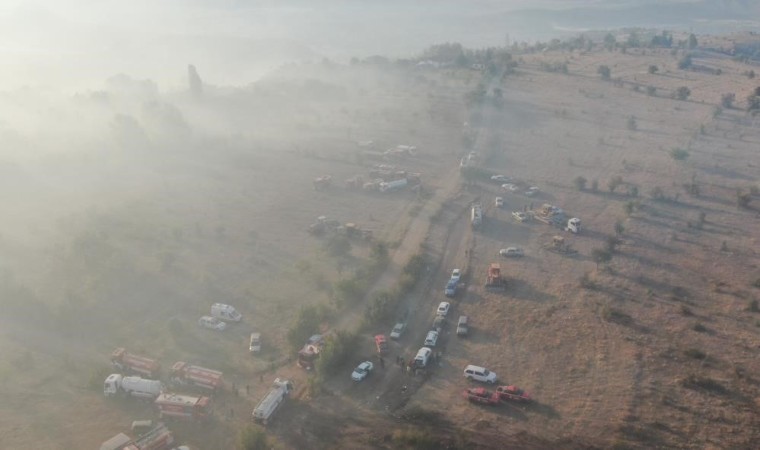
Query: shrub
[685, 62]
[338, 245]
[580, 183]
[753, 306]
[679, 154]
[614, 183]
[695, 353]
[339, 348]
[653, 69]
[727, 100]
[686, 311]
[586, 282]
[631, 123]
[619, 228]
[415, 438]
[651, 91]
[629, 207]
[657, 193]
[699, 328]
[683, 93]
[604, 72]
[594, 185]
[306, 324]
[252, 438]
[743, 199]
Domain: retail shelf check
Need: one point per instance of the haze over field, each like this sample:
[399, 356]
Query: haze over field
[576, 179]
[79, 43]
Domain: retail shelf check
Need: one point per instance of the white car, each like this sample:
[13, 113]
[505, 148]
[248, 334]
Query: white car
[509, 187]
[362, 370]
[398, 330]
[212, 323]
[456, 274]
[519, 216]
[500, 178]
[499, 202]
[533, 190]
[443, 309]
[512, 252]
[431, 338]
[481, 374]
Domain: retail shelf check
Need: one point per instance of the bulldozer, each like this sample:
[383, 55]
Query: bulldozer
[558, 245]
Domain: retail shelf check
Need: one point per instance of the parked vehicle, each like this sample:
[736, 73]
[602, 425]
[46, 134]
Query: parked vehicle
[481, 395]
[451, 288]
[423, 355]
[393, 185]
[443, 309]
[274, 398]
[127, 362]
[431, 338]
[381, 344]
[509, 187]
[574, 225]
[462, 327]
[117, 384]
[398, 330]
[362, 370]
[225, 312]
[498, 202]
[212, 323]
[494, 280]
[183, 407]
[512, 252]
[157, 437]
[438, 323]
[481, 374]
[519, 216]
[184, 374]
[254, 344]
[476, 216]
[500, 178]
[513, 393]
[308, 355]
[456, 274]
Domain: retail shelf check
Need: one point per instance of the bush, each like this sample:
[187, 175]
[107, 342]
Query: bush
[683, 93]
[685, 62]
[657, 193]
[586, 282]
[699, 328]
[338, 245]
[614, 183]
[695, 353]
[753, 306]
[706, 383]
[679, 154]
[653, 69]
[727, 100]
[651, 91]
[416, 439]
[381, 308]
[604, 72]
[686, 311]
[252, 438]
[338, 350]
[631, 123]
[743, 199]
[629, 207]
[580, 183]
[306, 324]
[594, 185]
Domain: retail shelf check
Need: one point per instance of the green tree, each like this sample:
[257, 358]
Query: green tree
[601, 256]
[580, 183]
[614, 183]
[727, 100]
[679, 154]
[609, 41]
[631, 123]
[604, 72]
[683, 93]
[685, 62]
[653, 69]
[692, 42]
[252, 438]
[619, 228]
[629, 207]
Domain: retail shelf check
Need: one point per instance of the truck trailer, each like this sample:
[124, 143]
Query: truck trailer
[184, 374]
[117, 384]
[183, 407]
[274, 398]
[127, 362]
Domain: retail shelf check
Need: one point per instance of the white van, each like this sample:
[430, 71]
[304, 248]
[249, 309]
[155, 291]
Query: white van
[254, 345]
[225, 312]
[481, 374]
[431, 338]
[422, 357]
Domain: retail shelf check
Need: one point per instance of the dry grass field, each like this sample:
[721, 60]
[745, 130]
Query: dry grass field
[128, 244]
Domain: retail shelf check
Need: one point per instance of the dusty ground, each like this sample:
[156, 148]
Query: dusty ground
[609, 366]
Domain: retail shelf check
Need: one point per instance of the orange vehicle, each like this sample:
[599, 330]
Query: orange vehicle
[185, 374]
[381, 343]
[481, 395]
[183, 407]
[124, 361]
